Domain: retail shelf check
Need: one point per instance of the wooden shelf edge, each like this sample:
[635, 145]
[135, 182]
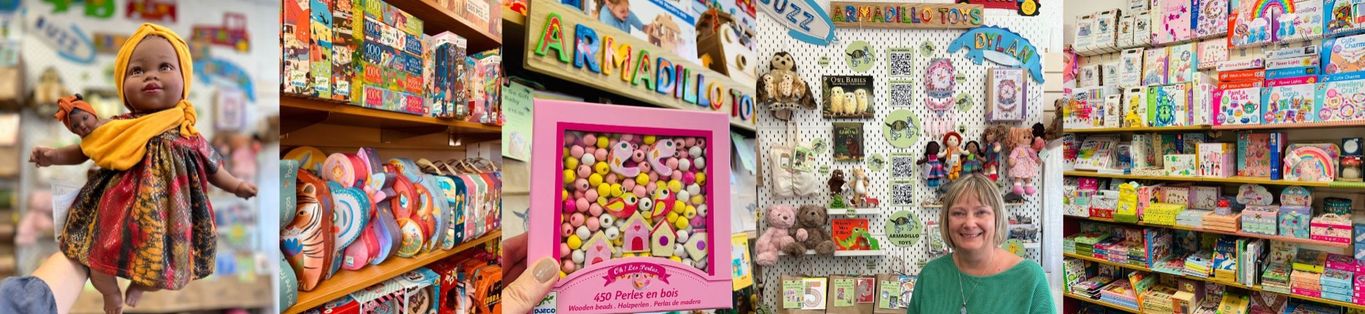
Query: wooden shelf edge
[1238, 179]
[1290, 126]
[333, 107]
[478, 39]
[341, 284]
[1106, 304]
[1139, 129]
[1236, 234]
[1211, 280]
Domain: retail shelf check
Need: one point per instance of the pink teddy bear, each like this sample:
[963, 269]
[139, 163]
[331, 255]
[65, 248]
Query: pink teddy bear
[776, 236]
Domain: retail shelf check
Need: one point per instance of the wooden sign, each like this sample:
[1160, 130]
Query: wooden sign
[1023, 7]
[905, 15]
[563, 42]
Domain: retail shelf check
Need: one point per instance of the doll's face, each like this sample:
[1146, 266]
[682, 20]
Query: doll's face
[153, 81]
[81, 122]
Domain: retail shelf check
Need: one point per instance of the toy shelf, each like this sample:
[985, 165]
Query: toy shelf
[1306, 125]
[1242, 180]
[1140, 129]
[436, 19]
[1337, 245]
[1209, 280]
[1106, 304]
[854, 211]
[345, 282]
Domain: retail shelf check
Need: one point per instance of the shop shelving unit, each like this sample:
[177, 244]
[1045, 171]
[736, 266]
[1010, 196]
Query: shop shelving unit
[338, 126]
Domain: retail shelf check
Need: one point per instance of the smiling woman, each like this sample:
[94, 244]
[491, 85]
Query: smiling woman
[987, 279]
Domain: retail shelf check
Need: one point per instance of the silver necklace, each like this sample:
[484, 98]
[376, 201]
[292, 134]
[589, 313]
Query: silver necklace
[964, 295]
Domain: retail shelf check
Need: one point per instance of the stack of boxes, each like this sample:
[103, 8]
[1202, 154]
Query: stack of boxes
[1337, 279]
[390, 63]
[1260, 219]
[1276, 278]
[1199, 264]
[1158, 299]
[1307, 277]
[1224, 223]
[445, 65]
[1192, 218]
[1294, 221]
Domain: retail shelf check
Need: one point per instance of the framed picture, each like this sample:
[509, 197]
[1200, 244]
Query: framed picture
[1006, 96]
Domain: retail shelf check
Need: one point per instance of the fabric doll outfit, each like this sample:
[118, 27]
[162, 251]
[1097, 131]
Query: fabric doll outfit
[145, 215]
[972, 164]
[1024, 165]
[933, 171]
[954, 164]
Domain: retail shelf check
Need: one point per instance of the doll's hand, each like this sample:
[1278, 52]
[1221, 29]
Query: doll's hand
[245, 190]
[42, 156]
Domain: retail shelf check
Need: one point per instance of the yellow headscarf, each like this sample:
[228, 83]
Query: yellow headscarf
[120, 144]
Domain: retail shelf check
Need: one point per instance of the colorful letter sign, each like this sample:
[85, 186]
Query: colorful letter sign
[804, 19]
[1000, 45]
[905, 15]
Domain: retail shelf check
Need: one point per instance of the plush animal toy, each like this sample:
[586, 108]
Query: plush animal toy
[777, 236]
[813, 230]
[782, 89]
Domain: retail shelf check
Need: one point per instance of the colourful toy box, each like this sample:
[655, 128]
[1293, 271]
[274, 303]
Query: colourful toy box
[1311, 162]
[320, 64]
[1239, 103]
[1154, 66]
[1182, 63]
[344, 45]
[390, 66]
[1343, 55]
[1258, 154]
[1173, 22]
[295, 36]
[1294, 221]
[685, 270]
[1344, 16]
[1331, 228]
[1359, 241]
[1168, 105]
[1211, 19]
[1180, 165]
[1216, 160]
[1338, 101]
[445, 75]
[1334, 205]
[1289, 101]
[1248, 25]
[1162, 213]
[1260, 219]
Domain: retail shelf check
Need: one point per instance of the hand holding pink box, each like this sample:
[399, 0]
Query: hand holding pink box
[632, 205]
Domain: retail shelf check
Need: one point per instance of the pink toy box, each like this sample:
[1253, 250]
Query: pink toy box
[646, 241]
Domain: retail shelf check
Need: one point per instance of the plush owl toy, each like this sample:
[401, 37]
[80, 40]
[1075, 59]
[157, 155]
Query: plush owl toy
[782, 89]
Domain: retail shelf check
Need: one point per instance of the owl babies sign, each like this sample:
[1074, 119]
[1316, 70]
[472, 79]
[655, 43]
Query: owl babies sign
[1002, 46]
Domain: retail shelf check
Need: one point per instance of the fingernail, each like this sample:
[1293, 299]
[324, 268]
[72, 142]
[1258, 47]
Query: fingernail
[545, 270]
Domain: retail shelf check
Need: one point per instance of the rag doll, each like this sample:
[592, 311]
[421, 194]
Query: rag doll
[1023, 160]
[812, 230]
[994, 150]
[777, 235]
[972, 162]
[145, 215]
[933, 168]
[952, 154]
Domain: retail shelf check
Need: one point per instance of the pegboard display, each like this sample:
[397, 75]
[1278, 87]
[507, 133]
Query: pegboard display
[811, 127]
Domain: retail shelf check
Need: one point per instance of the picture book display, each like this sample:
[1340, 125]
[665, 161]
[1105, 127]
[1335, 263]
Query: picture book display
[849, 97]
[625, 243]
[851, 234]
[848, 141]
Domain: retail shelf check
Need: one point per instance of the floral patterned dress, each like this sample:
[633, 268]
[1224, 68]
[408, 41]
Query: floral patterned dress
[152, 223]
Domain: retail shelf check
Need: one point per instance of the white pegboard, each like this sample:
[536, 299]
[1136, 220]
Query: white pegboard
[810, 126]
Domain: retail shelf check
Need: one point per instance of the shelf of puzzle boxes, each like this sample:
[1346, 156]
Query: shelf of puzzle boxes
[387, 216]
[628, 204]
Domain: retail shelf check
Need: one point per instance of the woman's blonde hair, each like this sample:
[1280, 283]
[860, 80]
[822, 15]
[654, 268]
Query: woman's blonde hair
[985, 191]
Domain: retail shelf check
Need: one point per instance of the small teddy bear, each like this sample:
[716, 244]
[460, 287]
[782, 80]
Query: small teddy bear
[777, 236]
[813, 230]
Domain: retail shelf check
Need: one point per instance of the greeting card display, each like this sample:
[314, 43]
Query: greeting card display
[1239, 104]
[1211, 18]
[1182, 62]
[1173, 21]
[626, 243]
[1340, 101]
[1130, 68]
[1343, 54]
[1288, 103]
[1154, 62]
[1006, 96]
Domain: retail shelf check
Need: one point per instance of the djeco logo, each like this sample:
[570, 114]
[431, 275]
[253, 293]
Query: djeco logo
[547, 305]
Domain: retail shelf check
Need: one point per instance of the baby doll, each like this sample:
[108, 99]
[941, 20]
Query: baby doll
[933, 168]
[972, 163]
[145, 214]
[617, 14]
[77, 115]
[1023, 160]
[952, 154]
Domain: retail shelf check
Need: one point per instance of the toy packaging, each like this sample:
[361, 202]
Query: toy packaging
[1006, 95]
[1142, 29]
[1168, 105]
[1249, 24]
[1344, 16]
[1182, 63]
[1125, 29]
[1130, 68]
[390, 64]
[1135, 107]
[1090, 76]
[1343, 54]
[1331, 228]
[344, 46]
[639, 245]
[1239, 103]
[1211, 53]
[1105, 30]
[1216, 160]
[1289, 101]
[1205, 96]
[445, 75]
[296, 37]
[1294, 221]
[1112, 113]
[1257, 152]
[1306, 21]
[1340, 101]
[1311, 162]
[1211, 18]
[1242, 64]
[320, 64]
[1351, 153]
[1180, 165]
[1154, 66]
[1173, 21]
[1260, 219]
